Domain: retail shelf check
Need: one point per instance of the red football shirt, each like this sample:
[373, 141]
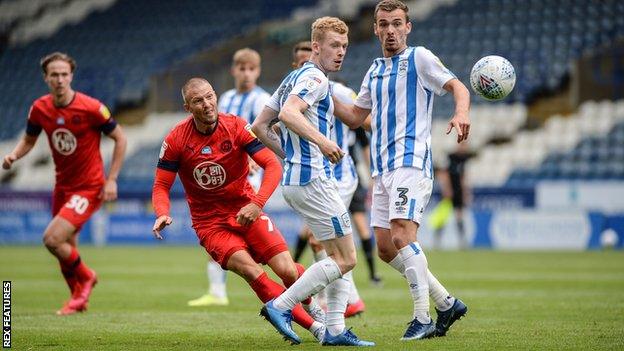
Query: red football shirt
[74, 133]
[213, 167]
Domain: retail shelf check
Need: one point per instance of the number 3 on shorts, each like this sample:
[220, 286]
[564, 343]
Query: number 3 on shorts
[78, 203]
[402, 196]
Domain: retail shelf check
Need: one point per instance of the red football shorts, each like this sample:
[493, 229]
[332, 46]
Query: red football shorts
[76, 205]
[261, 239]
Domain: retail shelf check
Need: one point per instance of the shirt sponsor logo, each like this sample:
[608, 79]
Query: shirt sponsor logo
[64, 141]
[209, 175]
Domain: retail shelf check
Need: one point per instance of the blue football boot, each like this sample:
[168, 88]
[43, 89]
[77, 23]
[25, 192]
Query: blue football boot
[281, 320]
[417, 330]
[346, 338]
[448, 317]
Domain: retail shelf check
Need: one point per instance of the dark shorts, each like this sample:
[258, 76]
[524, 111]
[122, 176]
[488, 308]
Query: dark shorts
[358, 203]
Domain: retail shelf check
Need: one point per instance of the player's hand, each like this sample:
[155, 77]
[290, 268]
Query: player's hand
[461, 123]
[332, 151]
[248, 214]
[160, 224]
[109, 191]
[8, 161]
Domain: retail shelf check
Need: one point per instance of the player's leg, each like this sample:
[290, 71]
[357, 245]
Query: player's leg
[358, 214]
[72, 210]
[461, 229]
[320, 205]
[268, 246]
[217, 293]
[355, 306]
[302, 242]
[408, 203]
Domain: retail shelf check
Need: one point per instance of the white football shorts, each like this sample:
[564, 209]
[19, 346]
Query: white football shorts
[401, 193]
[321, 207]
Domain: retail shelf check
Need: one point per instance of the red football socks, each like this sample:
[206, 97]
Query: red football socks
[267, 289]
[74, 265]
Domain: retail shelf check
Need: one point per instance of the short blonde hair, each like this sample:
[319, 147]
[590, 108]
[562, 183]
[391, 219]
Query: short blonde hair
[192, 83]
[327, 24]
[246, 55]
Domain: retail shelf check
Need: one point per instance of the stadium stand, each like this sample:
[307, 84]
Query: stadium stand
[539, 38]
[117, 50]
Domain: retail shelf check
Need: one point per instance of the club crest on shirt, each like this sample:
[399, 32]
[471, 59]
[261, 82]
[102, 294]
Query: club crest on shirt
[64, 141]
[226, 146]
[75, 119]
[60, 121]
[209, 175]
[206, 150]
[402, 67]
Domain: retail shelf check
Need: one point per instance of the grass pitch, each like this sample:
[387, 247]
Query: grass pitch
[539, 300]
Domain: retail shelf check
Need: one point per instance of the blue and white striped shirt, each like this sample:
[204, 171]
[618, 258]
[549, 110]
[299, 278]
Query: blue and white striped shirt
[245, 105]
[344, 171]
[304, 161]
[399, 92]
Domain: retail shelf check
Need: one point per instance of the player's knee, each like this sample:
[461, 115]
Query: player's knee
[400, 241]
[51, 240]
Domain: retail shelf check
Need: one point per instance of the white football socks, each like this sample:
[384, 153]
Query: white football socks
[443, 300]
[438, 293]
[313, 280]
[415, 264]
[216, 280]
[354, 295]
[337, 295]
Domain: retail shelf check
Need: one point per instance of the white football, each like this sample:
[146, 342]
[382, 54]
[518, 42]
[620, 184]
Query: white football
[493, 77]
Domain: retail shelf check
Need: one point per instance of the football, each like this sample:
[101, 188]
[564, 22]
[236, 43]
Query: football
[493, 77]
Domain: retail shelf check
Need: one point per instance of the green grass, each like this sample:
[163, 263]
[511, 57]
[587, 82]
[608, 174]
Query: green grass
[539, 300]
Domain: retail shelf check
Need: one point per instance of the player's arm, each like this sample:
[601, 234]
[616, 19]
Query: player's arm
[26, 143]
[263, 130]
[270, 180]
[293, 118]
[351, 115]
[163, 180]
[166, 171]
[461, 119]
[109, 192]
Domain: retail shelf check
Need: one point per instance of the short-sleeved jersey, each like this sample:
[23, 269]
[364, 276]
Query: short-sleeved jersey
[213, 167]
[246, 105]
[304, 160]
[343, 135]
[74, 133]
[399, 92]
